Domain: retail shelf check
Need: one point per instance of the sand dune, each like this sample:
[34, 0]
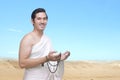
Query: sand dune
[88, 70]
[74, 70]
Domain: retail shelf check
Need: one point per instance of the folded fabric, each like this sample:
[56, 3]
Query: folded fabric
[41, 49]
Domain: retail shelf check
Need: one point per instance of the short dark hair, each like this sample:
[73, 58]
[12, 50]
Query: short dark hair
[33, 15]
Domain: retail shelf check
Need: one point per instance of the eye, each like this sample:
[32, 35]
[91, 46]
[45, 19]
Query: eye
[39, 18]
[44, 18]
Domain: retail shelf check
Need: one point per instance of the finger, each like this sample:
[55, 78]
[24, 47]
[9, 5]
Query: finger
[58, 58]
[57, 54]
[66, 53]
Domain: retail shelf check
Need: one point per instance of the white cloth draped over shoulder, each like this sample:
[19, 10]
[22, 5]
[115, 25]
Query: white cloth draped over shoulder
[40, 72]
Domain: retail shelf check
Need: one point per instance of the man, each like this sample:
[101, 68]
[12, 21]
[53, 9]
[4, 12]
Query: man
[36, 54]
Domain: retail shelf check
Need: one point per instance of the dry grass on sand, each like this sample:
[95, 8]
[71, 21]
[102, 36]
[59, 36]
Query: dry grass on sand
[79, 70]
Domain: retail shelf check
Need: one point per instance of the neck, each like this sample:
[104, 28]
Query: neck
[38, 33]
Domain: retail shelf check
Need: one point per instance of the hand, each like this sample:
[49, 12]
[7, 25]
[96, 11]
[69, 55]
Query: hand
[54, 56]
[65, 55]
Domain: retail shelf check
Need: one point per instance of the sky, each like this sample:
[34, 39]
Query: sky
[89, 29]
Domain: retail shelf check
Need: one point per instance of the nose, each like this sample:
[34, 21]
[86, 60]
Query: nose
[42, 20]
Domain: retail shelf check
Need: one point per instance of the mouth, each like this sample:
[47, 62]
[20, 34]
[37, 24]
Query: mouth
[42, 25]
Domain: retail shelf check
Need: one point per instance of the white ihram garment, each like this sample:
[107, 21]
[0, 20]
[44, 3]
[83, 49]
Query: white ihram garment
[40, 72]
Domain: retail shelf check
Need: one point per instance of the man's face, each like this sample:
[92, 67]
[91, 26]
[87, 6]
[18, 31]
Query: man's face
[40, 21]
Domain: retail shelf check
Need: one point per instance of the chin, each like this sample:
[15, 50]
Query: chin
[42, 29]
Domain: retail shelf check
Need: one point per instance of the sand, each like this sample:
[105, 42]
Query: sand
[74, 70]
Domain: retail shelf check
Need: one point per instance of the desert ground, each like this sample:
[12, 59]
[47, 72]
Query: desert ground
[74, 70]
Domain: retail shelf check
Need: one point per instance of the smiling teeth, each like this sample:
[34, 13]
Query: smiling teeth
[41, 24]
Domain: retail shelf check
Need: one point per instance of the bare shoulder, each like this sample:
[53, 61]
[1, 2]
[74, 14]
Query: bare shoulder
[27, 39]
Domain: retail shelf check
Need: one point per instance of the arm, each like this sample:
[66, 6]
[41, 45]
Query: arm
[24, 53]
